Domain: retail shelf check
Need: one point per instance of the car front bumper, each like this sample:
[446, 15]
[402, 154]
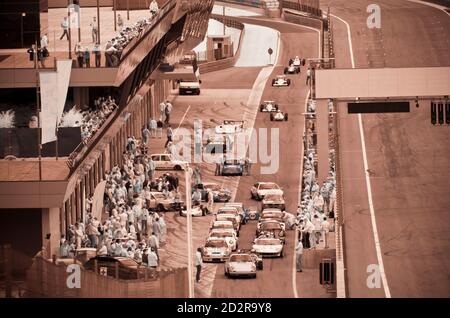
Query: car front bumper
[242, 274]
[214, 258]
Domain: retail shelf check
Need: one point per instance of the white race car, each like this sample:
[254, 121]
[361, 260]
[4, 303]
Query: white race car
[292, 69]
[195, 211]
[165, 161]
[268, 247]
[231, 210]
[281, 80]
[278, 116]
[260, 189]
[216, 250]
[228, 235]
[296, 61]
[222, 225]
[230, 127]
[273, 201]
[268, 106]
[231, 218]
[240, 264]
[158, 202]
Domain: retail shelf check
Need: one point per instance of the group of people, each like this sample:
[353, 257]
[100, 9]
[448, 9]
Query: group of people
[40, 53]
[91, 119]
[83, 55]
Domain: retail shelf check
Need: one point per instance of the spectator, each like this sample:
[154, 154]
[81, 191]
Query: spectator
[159, 126]
[198, 264]
[80, 54]
[87, 57]
[94, 30]
[162, 110]
[168, 111]
[163, 229]
[44, 41]
[65, 28]
[119, 21]
[153, 8]
[64, 249]
[32, 54]
[97, 54]
[153, 126]
[152, 258]
[169, 133]
[145, 135]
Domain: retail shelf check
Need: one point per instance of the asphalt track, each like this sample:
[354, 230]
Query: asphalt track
[408, 158]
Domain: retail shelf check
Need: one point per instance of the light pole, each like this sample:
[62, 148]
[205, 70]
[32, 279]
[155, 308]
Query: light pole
[188, 173]
[21, 27]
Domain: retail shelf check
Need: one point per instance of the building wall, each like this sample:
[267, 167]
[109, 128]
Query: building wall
[22, 229]
[13, 25]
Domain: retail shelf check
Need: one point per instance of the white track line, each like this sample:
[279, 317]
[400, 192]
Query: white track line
[368, 184]
[428, 4]
[181, 121]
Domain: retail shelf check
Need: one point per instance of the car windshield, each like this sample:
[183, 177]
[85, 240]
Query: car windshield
[268, 215]
[227, 211]
[223, 225]
[267, 242]
[220, 234]
[159, 196]
[225, 217]
[273, 197]
[270, 226]
[216, 243]
[268, 186]
[241, 258]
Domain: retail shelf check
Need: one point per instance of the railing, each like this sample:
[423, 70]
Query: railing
[303, 6]
[47, 279]
[251, 3]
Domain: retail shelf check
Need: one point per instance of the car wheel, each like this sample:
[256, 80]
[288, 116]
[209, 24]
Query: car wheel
[254, 276]
[276, 107]
[261, 108]
[203, 213]
[288, 82]
[181, 214]
[271, 117]
[177, 167]
[286, 117]
[160, 208]
[273, 82]
[260, 265]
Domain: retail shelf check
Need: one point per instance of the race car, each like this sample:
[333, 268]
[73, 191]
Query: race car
[281, 80]
[268, 247]
[272, 215]
[260, 189]
[230, 127]
[278, 116]
[296, 61]
[196, 210]
[240, 265]
[243, 211]
[232, 167]
[292, 69]
[160, 203]
[229, 235]
[222, 225]
[216, 250]
[273, 201]
[232, 219]
[220, 194]
[268, 106]
[231, 210]
[271, 228]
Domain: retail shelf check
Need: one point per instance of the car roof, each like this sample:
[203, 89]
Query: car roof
[222, 222]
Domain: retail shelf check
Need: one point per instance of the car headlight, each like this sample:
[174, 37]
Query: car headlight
[232, 268]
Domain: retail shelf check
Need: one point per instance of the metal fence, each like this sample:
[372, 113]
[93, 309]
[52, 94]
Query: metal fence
[308, 6]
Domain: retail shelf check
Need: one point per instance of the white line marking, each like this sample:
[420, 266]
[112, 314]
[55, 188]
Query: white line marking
[436, 6]
[368, 184]
[181, 121]
[294, 265]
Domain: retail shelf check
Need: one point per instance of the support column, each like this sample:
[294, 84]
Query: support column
[51, 233]
[322, 141]
[81, 96]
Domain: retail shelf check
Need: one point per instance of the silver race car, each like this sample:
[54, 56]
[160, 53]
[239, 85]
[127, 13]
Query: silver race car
[241, 264]
[280, 81]
[268, 106]
[279, 116]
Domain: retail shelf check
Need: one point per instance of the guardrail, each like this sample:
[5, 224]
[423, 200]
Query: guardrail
[251, 3]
